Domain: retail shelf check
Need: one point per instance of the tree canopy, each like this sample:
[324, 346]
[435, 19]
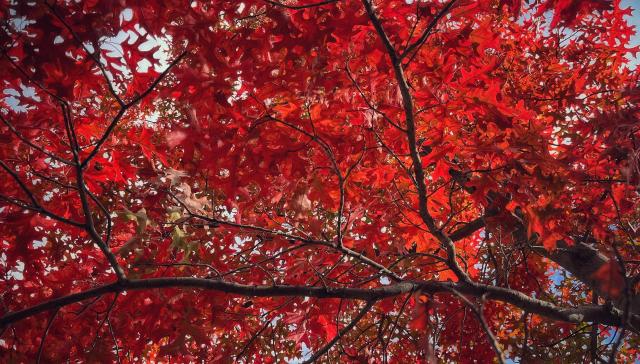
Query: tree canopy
[338, 181]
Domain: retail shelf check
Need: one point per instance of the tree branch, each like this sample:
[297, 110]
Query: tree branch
[125, 107]
[363, 258]
[601, 314]
[300, 7]
[32, 145]
[477, 311]
[340, 334]
[427, 32]
[92, 55]
[45, 333]
[36, 207]
[407, 103]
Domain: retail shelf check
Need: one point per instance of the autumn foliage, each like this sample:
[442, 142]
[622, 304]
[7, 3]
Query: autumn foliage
[341, 181]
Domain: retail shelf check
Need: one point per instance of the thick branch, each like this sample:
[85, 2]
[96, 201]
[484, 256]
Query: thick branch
[593, 313]
[580, 259]
[82, 193]
[407, 102]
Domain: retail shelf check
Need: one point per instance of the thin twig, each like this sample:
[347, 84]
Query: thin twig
[299, 7]
[485, 326]
[341, 333]
[45, 333]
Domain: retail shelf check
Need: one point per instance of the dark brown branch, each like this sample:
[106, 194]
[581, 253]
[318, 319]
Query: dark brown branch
[90, 226]
[394, 325]
[407, 103]
[44, 335]
[106, 213]
[30, 79]
[363, 258]
[468, 229]
[83, 191]
[40, 210]
[36, 207]
[115, 341]
[601, 314]
[334, 163]
[368, 102]
[427, 32]
[593, 335]
[300, 7]
[124, 108]
[93, 55]
[580, 259]
[106, 318]
[477, 311]
[32, 145]
[20, 183]
[253, 338]
[51, 179]
[380, 30]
